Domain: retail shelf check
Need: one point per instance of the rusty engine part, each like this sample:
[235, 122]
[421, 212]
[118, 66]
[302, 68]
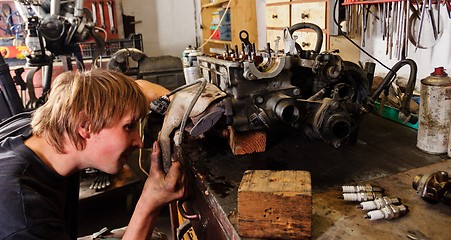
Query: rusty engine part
[304, 89]
[433, 188]
[271, 90]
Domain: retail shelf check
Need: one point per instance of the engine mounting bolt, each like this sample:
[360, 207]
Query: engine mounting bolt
[296, 92]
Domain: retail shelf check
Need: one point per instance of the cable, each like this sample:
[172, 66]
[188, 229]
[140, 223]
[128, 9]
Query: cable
[140, 152]
[355, 44]
[190, 108]
[183, 87]
[104, 32]
[219, 24]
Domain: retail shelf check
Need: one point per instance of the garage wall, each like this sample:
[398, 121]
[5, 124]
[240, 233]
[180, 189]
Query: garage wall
[426, 59]
[167, 26]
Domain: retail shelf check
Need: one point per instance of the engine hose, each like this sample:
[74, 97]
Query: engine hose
[183, 87]
[404, 110]
[190, 108]
[319, 33]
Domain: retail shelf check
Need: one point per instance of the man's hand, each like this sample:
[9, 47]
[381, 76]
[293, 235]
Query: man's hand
[159, 190]
[164, 188]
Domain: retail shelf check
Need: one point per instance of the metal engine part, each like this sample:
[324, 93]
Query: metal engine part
[388, 212]
[362, 188]
[434, 187]
[55, 26]
[317, 92]
[379, 203]
[360, 196]
[271, 90]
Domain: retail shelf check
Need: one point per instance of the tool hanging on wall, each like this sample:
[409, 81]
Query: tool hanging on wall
[106, 17]
[448, 8]
[102, 16]
[425, 28]
[401, 21]
[111, 17]
[94, 12]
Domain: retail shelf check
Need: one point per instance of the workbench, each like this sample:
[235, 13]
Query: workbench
[385, 154]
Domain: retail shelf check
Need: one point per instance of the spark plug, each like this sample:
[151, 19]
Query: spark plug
[379, 203]
[360, 196]
[362, 188]
[388, 212]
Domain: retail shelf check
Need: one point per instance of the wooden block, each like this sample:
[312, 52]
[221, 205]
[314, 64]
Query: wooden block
[246, 142]
[275, 204]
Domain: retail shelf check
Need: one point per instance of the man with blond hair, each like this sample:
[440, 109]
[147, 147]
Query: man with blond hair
[90, 120]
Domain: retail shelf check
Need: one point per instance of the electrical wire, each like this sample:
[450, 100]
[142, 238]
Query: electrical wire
[183, 87]
[190, 108]
[96, 62]
[219, 24]
[140, 152]
[355, 44]
[104, 32]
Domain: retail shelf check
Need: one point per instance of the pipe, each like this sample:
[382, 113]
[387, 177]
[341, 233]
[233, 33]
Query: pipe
[55, 7]
[284, 107]
[319, 33]
[78, 8]
[404, 110]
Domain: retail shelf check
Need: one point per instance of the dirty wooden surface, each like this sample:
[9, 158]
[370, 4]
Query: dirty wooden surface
[384, 149]
[335, 219]
[263, 211]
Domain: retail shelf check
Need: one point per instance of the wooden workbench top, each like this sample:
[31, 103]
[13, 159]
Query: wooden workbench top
[385, 154]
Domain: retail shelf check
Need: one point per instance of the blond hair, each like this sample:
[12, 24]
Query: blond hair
[94, 99]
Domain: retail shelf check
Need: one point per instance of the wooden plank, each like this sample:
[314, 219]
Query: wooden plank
[275, 204]
[246, 142]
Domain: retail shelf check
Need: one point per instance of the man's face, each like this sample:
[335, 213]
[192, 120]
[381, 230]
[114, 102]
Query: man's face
[111, 147]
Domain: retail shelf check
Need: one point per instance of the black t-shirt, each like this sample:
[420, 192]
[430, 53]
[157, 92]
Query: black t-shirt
[32, 196]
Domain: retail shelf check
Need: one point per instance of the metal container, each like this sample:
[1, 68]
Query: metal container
[192, 74]
[435, 113]
[191, 67]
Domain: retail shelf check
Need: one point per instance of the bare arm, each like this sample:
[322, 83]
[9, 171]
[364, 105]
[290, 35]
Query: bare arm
[152, 90]
[159, 190]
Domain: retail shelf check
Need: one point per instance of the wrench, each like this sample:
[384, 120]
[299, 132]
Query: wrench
[111, 16]
[431, 18]
[421, 25]
[102, 17]
[94, 12]
[448, 8]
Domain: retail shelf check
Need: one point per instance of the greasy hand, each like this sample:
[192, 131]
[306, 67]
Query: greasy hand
[160, 188]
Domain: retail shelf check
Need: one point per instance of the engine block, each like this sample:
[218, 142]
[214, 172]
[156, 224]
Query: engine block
[321, 94]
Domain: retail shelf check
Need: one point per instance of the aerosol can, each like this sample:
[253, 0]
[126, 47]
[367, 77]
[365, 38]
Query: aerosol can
[435, 113]
[191, 67]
